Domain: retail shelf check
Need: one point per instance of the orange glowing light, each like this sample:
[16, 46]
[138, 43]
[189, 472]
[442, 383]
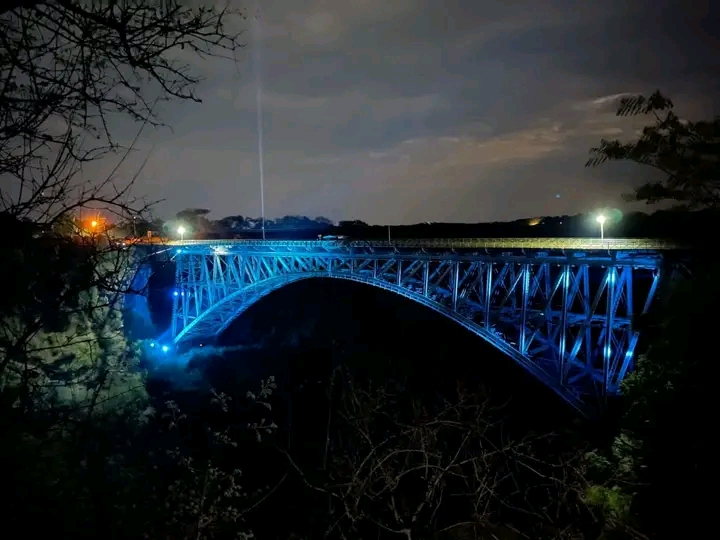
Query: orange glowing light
[93, 224]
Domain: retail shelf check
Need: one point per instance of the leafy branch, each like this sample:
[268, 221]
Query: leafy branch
[686, 153]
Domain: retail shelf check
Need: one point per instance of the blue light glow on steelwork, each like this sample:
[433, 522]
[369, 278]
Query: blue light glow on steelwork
[504, 283]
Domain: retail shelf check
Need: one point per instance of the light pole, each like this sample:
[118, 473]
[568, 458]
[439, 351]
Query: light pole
[601, 220]
[181, 232]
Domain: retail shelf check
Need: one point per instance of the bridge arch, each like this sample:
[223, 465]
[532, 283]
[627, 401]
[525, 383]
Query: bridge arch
[565, 307]
[218, 317]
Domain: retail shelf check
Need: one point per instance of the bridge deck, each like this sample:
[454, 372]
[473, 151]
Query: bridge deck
[612, 244]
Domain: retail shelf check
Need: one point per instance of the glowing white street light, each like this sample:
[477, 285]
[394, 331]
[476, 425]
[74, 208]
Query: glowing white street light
[181, 232]
[601, 220]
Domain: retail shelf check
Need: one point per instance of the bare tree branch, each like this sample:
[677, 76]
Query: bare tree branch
[70, 69]
[408, 467]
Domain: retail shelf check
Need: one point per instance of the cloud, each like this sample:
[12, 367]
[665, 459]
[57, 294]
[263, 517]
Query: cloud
[349, 103]
[557, 131]
[320, 160]
[412, 110]
[322, 23]
[604, 103]
[608, 132]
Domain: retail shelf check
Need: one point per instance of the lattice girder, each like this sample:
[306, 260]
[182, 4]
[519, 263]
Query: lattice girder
[566, 318]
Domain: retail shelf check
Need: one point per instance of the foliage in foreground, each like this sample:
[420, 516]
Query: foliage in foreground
[656, 465]
[88, 449]
[685, 153]
[400, 464]
[148, 478]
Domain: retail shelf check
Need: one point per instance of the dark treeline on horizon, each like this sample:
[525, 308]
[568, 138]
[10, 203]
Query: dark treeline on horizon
[680, 225]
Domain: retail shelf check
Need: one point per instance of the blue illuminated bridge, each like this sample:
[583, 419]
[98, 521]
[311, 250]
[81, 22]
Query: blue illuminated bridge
[562, 308]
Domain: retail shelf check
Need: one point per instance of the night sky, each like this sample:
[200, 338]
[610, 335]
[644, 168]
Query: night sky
[402, 111]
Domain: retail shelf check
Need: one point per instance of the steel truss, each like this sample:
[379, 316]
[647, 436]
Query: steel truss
[566, 318]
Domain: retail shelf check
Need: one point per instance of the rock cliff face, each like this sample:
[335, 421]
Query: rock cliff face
[138, 320]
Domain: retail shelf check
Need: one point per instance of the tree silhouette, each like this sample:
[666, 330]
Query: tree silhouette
[68, 70]
[196, 219]
[687, 153]
[75, 419]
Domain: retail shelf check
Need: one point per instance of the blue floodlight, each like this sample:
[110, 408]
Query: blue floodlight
[165, 348]
[175, 293]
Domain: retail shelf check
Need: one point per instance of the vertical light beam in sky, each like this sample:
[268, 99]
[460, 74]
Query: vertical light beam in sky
[257, 66]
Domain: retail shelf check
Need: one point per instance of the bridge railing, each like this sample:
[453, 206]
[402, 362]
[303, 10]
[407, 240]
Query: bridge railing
[615, 244]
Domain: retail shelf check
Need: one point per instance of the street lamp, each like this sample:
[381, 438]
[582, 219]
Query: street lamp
[93, 224]
[601, 220]
[181, 232]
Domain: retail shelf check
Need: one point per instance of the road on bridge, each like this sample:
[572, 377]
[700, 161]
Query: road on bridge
[614, 244]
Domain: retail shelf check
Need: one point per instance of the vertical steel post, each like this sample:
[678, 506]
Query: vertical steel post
[426, 279]
[488, 292]
[587, 304]
[524, 307]
[562, 353]
[609, 327]
[176, 295]
[455, 283]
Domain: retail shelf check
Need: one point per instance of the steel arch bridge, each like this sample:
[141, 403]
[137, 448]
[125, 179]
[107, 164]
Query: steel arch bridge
[561, 308]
